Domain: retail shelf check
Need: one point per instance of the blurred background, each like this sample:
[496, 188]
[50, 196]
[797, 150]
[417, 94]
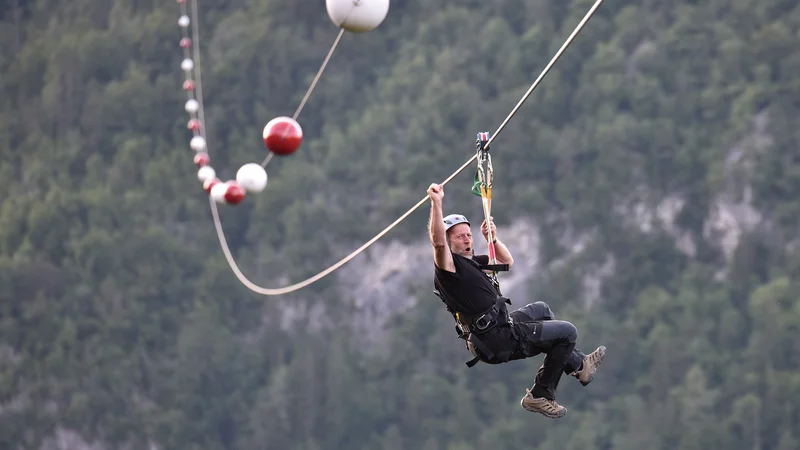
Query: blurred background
[648, 190]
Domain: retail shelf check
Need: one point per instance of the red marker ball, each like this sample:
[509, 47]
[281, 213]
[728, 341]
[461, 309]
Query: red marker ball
[210, 184]
[283, 136]
[201, 159]
[235, 193]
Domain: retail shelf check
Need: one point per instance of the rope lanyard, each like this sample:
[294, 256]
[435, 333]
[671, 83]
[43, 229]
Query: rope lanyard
[484, 182]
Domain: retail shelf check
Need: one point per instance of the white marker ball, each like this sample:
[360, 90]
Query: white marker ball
[183, 22]
[187, 64]
[252, 177]
[192, 106]
[357, 16]
[206, 173]
[198, 143]
[218, 192]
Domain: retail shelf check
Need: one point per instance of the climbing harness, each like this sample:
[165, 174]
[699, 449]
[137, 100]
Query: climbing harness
[283, 135]
[474, 329]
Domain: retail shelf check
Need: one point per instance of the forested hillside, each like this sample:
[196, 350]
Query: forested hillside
[658, 162]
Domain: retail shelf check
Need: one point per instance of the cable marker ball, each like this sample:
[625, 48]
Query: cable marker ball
[206, 173]
[282, 135]
[192, 106]
[202, 159]
[234, 194]
[198, 143]
[357, 16]
[208, 184]
[218, 191]
[252, 177]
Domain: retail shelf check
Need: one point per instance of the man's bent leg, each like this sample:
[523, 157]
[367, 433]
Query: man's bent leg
[574, 362]
[583, 367]
[557, 341]
[540, 311]
[589, 366]
[560, 337]
[533, 312]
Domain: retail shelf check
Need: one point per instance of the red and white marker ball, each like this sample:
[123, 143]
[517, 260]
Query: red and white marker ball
[229, 192]
[201, 159]
[234, 194]
[210, 183]
[283, 135]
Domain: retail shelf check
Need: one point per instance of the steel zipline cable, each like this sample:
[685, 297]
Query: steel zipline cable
[302, 284]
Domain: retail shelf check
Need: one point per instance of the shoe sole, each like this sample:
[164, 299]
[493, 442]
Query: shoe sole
[602, 350]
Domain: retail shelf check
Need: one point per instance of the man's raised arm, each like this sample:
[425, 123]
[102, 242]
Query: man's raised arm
[441, 253]
[502, 254]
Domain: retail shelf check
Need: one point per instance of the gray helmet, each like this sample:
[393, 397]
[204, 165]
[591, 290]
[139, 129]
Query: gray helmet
[453, 220]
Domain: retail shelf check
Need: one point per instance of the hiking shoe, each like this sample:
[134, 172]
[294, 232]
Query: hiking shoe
[590, 364]
[543, 406]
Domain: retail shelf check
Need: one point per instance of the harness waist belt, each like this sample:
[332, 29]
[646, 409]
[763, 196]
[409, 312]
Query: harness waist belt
[482, 322]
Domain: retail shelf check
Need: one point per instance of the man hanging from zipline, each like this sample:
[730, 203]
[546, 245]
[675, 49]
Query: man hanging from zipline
[467, 284]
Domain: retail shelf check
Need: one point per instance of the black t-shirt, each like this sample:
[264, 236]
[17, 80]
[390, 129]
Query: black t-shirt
[468, 290]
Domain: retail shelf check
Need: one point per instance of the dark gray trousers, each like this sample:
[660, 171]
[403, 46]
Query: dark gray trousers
[540, 332]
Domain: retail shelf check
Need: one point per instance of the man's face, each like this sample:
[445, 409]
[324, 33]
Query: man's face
[460, 238]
